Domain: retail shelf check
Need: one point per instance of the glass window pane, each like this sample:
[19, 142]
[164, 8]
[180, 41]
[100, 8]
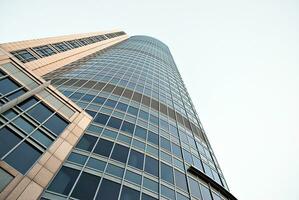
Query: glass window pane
[166, 173]
[114, 122]
[129, 194]
[7, 140]
[24, 125]
[86, 142]
[86, 186]
[7, 85]
[167, 192]
[101, 118]
[151, 166]
[96, 164]
[147, 197]
[150, 185]
[194, 187]
[136, 159]
[64, 180]
[103, 147]
[42, 138]
[40, 112]
[176, 150]
[180, 180]
[56, 124]
[165, 144]
[153, 138]
[115, 170]
[77, 158]
[120, 153]
[108, 190]
[5, 179]
[140, 132]
[127, 127]
[133, 177]
[206, 195]
[23, 157]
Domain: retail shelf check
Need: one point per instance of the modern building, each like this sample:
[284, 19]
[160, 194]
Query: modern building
[100, 116]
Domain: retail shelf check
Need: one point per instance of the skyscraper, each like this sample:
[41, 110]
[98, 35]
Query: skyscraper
[100, 116]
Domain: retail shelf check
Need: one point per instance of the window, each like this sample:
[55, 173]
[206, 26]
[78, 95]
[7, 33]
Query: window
[176, 150]
[166, 173]
[40, 112]
[165, 144]
[133, 111]
[99, 100]
[147, 197]
[140, 132]
[56, 124]
[24, 55]
[133, 177]
[77, 158]
[28, 103]
[23, 157]
[121, 106]
[96, 164]
[108, 190]
[24, 125]
[206, 195]
[61, 47]
[44, 51]
[150, 185]
[129, 194]
[187, 156]
[110, 103]
[86, 186]
[143, 115]
[115, 170]
[151, 166]
[42, 138]
[103, 147]
[86, 142]
[127, 127]
[167, 192]
[136, 159]
[180, 180]
[7, 85]
[5, 179]
[194, 187]
[114, 122]
[153, 138]
[64, 180]
[101, 118]
[7, 140]
[120, 153]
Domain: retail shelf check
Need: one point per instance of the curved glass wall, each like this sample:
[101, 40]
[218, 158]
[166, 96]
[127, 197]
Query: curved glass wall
[145, 133]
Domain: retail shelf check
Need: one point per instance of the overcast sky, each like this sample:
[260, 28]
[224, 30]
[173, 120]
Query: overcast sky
[239, 60]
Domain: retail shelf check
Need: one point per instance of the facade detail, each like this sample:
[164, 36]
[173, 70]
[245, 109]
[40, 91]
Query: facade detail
[100, 116]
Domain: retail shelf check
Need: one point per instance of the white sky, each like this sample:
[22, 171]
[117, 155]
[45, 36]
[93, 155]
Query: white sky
[239, 60]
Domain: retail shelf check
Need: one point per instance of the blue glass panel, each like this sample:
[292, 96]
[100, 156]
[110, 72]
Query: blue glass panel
[101, 118]
[56, 124]
[103, 147]
[129, 194]
[136, 159]
[86, 142]
[7, 85]
[96, 164]
[108, 190]
[7, 140]
[120, 153]
[151, 166]
[127, 127]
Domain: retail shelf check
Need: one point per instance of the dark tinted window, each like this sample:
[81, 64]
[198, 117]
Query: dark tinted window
[114, 122]
[27, 103]
[136, 159]
[64, 180]
[99, 100]
[120, 153]
[153, 138]
[129, 194]
[143, 115]
[110, 103]
[86, 186]
[140, 132]
[92, 113]
[101, 118]
[127, 127]
[56, 124]
[40, 112]
[180, 180]
[133, 110]
[86, 142]
[122, 106]
[23, 157]
[7, 85]
[166, 173]
[7, 140]
[147, 197]
[151, 166]
[108, 190]
[88, 97]
[103, 147]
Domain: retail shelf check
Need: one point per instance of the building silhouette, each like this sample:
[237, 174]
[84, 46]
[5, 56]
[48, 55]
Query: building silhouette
[100, 116]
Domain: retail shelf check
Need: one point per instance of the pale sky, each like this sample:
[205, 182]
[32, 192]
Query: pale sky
[239, 60]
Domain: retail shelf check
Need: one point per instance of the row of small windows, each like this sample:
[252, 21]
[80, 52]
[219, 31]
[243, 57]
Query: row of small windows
[27, 55]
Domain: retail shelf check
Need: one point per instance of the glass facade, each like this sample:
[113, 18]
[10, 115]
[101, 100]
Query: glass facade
[145, 134]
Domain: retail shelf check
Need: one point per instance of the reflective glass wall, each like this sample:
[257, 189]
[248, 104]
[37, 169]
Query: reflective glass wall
[145, 133]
